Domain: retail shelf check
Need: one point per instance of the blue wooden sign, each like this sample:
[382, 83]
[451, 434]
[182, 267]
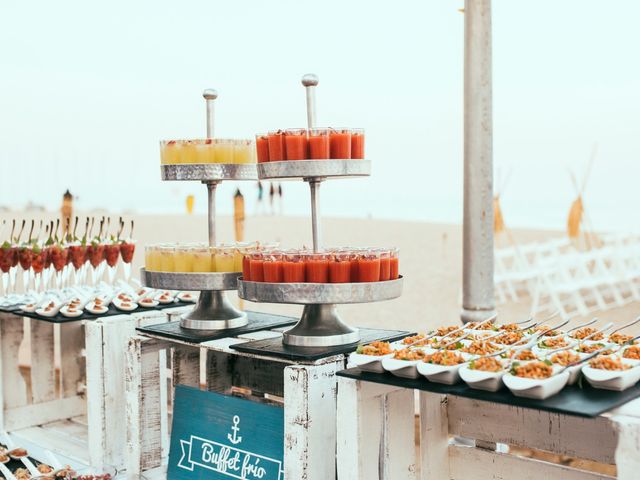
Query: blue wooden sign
[221, 437]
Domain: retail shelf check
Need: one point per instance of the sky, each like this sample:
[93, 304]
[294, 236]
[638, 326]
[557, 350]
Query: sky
[88, 89]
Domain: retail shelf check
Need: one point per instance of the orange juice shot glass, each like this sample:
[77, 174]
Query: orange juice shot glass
[262, 147]
[340, 143]
[357, 143]
[319, 147]
[293, 267]
[295, 143]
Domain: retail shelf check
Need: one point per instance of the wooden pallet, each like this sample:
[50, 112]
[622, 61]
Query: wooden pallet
[465, 439]
[65, 409]
[307, 391]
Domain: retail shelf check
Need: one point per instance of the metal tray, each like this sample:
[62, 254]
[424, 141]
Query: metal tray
[209, 171]
[319, 293]
[190, 281]
[301, 169]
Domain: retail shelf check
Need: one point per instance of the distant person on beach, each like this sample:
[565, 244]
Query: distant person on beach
[66, 211]
[259, 203]
[280, 201]
[272, 193]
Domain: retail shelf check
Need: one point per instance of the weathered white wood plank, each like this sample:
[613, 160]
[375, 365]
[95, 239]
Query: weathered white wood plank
[43, 373]
[95, 391]
[143, 387]
[72, 363]
[628, 449]
[398, 434]
[537, 429]
[218, 372]
[116, 333]
[14, 388]
[309, 439]
[37, 414]
[469, 463]
[360, 418]
[434, 436]
[186, 365]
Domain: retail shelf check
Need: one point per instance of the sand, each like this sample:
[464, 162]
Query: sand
[430, 259]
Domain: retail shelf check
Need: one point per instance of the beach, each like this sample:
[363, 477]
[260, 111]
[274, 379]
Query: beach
[430, 261]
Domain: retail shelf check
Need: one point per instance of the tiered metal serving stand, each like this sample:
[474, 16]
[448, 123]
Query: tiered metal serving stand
[320, 324]
[213, 310]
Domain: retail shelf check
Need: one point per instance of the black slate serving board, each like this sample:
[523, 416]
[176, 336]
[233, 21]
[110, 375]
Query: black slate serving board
[59, 318]
[572, 400]
[257, 321]
[274, 347]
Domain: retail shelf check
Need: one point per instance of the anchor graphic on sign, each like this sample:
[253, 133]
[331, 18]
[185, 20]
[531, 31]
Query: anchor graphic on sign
[235, 439]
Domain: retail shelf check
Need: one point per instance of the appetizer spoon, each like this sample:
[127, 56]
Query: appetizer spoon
[582, 325]
[588, 337]
[6, 472]
[625, 326]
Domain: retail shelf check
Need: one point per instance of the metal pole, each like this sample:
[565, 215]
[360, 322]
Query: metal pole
[314, 185]
[478, 300]
[310, 81]
[211, 191]
[210, 95]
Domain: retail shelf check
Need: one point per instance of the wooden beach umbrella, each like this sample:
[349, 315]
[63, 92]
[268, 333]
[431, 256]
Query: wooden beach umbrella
[498, 218]
[238, 215]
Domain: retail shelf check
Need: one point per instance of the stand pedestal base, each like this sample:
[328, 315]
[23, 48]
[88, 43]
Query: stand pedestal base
[320, 326]
[213, 312]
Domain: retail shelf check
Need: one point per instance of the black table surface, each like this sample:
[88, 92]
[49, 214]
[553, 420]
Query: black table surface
[274, 347]
[578, 400]
[59, 318]
[257, 321]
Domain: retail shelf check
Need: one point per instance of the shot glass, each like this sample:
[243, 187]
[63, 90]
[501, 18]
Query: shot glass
[166, 257]
[369, 266]
[243, 151]
[293, 267]
[357, 143]
[317, 267]
[340, 267]
[224, 259]
[340, 143]
[276, 146]
[203, 259]
[295, 143]
[151, 258]
[224, 151]
[170, 152]
[183, 259]
[394, 263]
[272, 267]
[262, 147]
[319, 147]
[256, 265]
[385, 264]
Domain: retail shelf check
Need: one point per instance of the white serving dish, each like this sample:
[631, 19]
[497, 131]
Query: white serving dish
[148, 303]
[616, 380]
[538, 389]
[165, 298]
[481, 380]
[401, 368]
[449, 375]
[29, 307]
[120, 305]
[51, 313]
[368, 363]
[76, 313]
[91, 308]
[187, 297]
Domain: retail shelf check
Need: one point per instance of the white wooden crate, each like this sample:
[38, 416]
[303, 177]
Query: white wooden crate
[466, 439]
[66, 410]
[307, 389]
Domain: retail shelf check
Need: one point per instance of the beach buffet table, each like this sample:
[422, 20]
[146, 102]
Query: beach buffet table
[265, 376]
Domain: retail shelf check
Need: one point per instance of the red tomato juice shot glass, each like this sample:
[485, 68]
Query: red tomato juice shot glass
[256, 265]
[276, 146]
[340, 144]
[295, 143]
[262, 147]
[272, 267]
[394, 263]
[385, 264]
[357, 143]
[317, 267]
[293, 267]
[369, 266]
[340, 268]
[319, 147]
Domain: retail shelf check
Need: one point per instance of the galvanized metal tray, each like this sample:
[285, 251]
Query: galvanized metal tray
[319, 293]
[209, 172]
[301, 169]
[190, 281]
